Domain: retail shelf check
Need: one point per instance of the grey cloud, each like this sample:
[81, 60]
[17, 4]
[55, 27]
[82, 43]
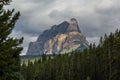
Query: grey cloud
[42, 1]
[33, 21]
[27, 39]
[95, 17]
[101, 20]
[97, 23]
[60, 16]
[91, 24]
[111, 10]
[31, 27]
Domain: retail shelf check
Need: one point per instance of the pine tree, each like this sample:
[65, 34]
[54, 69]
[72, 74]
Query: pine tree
[100, 62]
[9, 47]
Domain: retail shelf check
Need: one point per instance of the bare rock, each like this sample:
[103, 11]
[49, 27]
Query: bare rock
[58, 39]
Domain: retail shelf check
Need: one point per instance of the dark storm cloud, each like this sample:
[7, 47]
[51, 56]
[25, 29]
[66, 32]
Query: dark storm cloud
[95, 17]
[33, 17]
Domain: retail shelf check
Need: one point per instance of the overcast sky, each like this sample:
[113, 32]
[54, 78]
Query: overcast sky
[95, 17]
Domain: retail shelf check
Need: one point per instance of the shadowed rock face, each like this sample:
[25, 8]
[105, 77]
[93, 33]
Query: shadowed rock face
[73, 25]
[64, 36]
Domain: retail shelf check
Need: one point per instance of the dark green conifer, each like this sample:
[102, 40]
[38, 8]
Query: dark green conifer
[9, 47]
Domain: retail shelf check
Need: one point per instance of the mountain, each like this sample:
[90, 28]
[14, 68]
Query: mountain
[61, 38]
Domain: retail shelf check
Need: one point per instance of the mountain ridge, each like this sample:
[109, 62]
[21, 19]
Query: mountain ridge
[57, 39]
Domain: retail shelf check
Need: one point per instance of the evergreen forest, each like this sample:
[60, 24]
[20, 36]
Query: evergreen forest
[101, 62]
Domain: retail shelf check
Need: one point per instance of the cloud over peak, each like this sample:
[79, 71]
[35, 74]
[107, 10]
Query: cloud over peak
[95, 17]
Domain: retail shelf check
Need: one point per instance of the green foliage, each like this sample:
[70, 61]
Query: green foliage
[100, 62]
[25, 59]
[9, 47]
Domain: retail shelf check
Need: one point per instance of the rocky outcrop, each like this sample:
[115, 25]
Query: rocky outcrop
[59, 39]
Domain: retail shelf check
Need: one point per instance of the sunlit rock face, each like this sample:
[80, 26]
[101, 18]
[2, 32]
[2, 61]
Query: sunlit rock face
[59, 39]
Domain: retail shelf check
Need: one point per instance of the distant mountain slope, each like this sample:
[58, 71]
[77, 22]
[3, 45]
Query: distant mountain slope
[60, 38]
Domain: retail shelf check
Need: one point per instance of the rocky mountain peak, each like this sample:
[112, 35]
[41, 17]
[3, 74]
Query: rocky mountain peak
[73, 25]
[73, 22]
[59, 39]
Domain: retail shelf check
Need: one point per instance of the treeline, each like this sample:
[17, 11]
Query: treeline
[100, 62]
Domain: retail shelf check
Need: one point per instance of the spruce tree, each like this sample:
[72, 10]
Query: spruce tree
[10, 48]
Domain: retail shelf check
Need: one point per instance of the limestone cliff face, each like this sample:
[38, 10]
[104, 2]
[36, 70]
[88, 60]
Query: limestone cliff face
[59, 38]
